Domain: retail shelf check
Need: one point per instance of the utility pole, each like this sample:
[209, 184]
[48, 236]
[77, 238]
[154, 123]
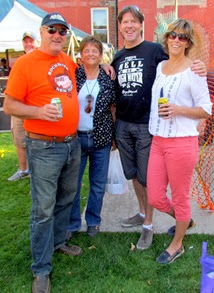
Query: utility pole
[176, 9]
[116, 24]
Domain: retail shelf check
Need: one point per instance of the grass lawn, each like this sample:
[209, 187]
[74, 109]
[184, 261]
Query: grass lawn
[107, 264]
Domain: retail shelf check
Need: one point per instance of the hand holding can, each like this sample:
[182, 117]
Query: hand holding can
[162, 112]
[57, 102]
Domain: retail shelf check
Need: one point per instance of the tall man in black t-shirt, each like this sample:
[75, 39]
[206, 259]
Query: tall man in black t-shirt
[135, 66]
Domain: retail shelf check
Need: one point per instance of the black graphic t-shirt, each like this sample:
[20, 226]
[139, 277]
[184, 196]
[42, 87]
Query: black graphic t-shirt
[136, 70]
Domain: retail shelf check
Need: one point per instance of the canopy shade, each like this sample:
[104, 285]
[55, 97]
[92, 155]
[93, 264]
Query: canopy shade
[18, 16]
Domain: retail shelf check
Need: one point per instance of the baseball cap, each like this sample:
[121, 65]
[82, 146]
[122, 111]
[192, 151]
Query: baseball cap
[54, 18]
[30, 35]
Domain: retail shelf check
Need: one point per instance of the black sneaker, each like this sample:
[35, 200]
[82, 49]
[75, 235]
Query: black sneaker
[93, 231]
[171, 231]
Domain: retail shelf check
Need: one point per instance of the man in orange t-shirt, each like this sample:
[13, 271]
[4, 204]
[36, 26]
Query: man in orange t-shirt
[52, 147]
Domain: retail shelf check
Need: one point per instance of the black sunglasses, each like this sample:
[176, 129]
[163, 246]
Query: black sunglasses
[52, 30]
[181, 37]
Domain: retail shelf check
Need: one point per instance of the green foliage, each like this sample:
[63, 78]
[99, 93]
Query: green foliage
[107, 263]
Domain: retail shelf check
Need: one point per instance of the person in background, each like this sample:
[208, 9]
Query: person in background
[53, 148]
[78, 59]
[135, 66]
[5, 67]
[96, 94]
[29, 42]
[4, 63]
[174, 150]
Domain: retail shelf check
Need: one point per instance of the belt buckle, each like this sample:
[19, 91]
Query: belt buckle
[68, 138]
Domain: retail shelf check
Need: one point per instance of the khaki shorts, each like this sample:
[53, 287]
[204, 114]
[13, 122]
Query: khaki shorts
[18, 132]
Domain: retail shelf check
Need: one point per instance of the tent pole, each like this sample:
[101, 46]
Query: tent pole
[7, 58]
[176, 9]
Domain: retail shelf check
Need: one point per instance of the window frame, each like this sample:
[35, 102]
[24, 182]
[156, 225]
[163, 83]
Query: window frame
[107, 20]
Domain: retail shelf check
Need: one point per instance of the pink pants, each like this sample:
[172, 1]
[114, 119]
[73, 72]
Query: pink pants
[172, 160]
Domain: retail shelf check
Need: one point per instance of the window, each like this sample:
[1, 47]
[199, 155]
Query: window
[99, 21]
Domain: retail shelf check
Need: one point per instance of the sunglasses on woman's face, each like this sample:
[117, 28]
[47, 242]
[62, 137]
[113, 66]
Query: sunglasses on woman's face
[181, 37]
[52, 30]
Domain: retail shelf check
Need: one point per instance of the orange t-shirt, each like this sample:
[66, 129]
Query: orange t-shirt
[35, 79]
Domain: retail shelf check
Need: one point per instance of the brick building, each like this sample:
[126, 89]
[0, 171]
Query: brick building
[99, 16]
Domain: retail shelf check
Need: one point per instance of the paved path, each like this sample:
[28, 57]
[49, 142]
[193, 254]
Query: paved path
[118, 207]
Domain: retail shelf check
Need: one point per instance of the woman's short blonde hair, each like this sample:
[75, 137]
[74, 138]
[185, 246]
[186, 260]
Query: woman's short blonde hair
[178, 25]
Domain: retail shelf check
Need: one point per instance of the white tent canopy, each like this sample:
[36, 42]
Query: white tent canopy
[17, 17]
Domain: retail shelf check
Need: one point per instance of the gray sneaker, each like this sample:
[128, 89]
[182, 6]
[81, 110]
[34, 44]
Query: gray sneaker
[19, 175]
[145, 239]
[133, 221]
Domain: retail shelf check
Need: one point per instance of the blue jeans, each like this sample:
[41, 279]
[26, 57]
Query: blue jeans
[54, 169]
[98, 171]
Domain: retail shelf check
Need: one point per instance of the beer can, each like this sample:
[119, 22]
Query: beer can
[57, 102]
[162, 101]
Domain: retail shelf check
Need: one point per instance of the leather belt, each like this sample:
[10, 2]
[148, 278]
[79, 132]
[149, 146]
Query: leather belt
[85, 131]
[67, 138]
